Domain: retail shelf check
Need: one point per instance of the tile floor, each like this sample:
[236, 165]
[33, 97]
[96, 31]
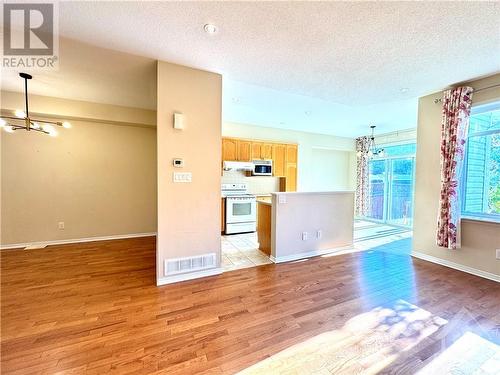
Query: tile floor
[242, 250]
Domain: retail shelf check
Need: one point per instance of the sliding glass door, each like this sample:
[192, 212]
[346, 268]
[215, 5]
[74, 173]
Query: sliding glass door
[400, 202]
[392, 181]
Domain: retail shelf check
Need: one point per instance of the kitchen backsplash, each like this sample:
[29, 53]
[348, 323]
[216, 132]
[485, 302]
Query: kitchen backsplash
[256, 184]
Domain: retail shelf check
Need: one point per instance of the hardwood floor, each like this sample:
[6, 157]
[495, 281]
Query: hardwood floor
[94, 308]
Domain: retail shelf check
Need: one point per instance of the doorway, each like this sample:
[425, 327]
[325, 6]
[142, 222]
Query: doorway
[391, 187]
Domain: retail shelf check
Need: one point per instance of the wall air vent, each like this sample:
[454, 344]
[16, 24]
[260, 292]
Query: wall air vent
[176, 266]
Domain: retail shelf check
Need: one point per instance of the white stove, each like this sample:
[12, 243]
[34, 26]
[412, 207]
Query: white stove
[241, 208]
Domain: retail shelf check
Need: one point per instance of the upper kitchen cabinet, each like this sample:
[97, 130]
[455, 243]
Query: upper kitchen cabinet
[244, 151]
[229, 149]
[291, 168]
[262, 151]
[279, 156]
[266, 151]
[291, 154]
[256, 150]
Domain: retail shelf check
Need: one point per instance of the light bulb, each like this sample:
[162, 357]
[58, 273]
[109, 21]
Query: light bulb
[20, 113]
[35, 125]
[9, 129]
[2, 122]
[66, 125]
[48, 128]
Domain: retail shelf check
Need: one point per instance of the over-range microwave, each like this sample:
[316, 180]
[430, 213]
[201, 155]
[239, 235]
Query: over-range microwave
[262, 168]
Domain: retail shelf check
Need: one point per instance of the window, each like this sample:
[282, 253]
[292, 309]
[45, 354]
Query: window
[481, 178]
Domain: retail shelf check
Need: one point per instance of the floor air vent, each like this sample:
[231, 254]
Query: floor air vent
[189, 264]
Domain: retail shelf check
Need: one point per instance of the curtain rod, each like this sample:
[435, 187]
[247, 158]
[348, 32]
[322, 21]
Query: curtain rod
[439, 100]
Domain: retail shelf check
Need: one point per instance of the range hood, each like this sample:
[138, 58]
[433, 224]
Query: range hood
[238, 166]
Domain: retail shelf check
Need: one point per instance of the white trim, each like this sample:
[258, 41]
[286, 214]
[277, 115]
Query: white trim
[459, 267]
[188, 276]
[309, 254]
[77, 240]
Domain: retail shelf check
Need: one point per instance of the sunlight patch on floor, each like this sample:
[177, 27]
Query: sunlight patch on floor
[365, 344]
[470, 354]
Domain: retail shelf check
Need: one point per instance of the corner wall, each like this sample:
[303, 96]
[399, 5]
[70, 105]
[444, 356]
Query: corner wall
[99, 177]
[188, 213]
[479, 239]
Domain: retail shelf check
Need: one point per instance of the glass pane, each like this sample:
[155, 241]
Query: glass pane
[242, 209]
[401, 197]
[482, 190]
[377, 170]
[400, 150]
[484, 121]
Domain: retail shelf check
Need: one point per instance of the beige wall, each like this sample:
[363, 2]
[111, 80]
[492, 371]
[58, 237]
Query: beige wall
[310, 212]
[98, 178]
[337, 170]
[479, 240]
[188, 213]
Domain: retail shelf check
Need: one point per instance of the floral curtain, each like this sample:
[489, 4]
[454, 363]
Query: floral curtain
[454, 126]
[362, 194]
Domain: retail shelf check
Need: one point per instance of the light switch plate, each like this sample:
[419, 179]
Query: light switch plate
[498, 253]
[183, 176]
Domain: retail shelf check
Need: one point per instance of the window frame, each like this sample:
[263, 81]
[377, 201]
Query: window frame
[467, 214]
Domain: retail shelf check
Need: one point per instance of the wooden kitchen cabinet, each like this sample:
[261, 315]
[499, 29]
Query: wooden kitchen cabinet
[283, 155]
[266, 151]
[291, 168]
[244, 151]
[278, 156]
[256, 150]
[291, 177]
[229, 149]
[291, 154]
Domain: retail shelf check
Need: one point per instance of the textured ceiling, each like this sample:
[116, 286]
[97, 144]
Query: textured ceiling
[345, 62]
[93, 74]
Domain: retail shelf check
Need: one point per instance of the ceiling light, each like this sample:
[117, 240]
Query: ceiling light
[404, 90]
[28, 123]
[371, 148]
[210, 29]
[48, 128]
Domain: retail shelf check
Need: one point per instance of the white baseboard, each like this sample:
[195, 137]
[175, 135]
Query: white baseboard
[76, 240]
[188, 276]
[309, 254]
[459, 267]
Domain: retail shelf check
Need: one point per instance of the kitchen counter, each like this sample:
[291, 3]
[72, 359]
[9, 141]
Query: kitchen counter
[266, 202]
[298, 225]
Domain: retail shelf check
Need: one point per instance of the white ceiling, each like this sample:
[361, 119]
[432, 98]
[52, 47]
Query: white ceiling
[344, 62]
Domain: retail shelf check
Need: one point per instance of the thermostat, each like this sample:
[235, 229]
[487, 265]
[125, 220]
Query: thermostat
[178, 163]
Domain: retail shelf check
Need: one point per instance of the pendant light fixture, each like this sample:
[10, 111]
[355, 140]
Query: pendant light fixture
[372, 149]
[22, 119]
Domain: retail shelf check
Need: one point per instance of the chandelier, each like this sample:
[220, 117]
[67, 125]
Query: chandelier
[371, 148]
[22, 119]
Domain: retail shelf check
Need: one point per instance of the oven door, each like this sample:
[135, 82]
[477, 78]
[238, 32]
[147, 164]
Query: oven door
[240, 210]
